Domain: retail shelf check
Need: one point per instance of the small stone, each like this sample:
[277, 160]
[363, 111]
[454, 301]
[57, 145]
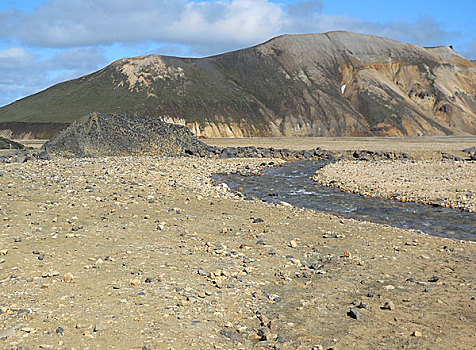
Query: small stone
[41, 256]
[389, 287]
[434, 279]
[99, 327]
[272, 326]
[293, 244]
[370, 295]
[68, 277]
[281, 339]
[135, 282]
[417, 334]
[28, 329]
[59, 330]
[389, 305]
[364, 305]
[257, 220]
[354, 313]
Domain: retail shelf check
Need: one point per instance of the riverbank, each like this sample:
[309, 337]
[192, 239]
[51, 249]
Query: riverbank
[448, 184]
[417, 147]
[147, 253]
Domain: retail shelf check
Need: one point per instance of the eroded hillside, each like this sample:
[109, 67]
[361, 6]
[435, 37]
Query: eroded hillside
[333, 84]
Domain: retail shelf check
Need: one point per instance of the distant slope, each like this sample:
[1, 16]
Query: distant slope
[332, 84]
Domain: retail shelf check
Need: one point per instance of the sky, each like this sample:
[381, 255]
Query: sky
[44, 42]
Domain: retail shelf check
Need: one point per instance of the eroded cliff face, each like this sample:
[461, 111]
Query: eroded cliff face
[334, 84]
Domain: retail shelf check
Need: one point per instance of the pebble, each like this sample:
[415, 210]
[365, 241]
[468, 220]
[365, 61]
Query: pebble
[354, 313]
[68, 277]
[364, 305]
[135, 282]
[389, 305]
[434, 279]
[99, 327]
[417, 334]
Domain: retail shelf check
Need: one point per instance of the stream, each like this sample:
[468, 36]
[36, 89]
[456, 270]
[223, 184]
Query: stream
[292, 183]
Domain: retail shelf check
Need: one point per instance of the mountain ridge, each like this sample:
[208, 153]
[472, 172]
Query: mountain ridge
[332, 84]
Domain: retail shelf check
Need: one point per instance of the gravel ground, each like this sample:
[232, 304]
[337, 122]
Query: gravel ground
[443, 183]
[146, 253]
[417, 147]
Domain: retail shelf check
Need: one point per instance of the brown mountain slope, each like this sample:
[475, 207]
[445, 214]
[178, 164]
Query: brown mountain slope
[331, 84]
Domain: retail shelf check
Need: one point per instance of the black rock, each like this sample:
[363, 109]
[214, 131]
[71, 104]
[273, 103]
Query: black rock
[354, 313]
[434, 279]
[98, 135]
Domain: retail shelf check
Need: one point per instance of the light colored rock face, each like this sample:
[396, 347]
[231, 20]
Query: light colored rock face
[333, 84]
[140, 72]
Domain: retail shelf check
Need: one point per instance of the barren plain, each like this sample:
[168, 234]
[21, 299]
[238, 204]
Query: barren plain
[148, 253]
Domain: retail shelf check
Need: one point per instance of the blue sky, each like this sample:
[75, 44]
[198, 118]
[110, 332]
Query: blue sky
[43, 42]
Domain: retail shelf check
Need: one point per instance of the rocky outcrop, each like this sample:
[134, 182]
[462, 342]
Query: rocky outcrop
[9, 144]
[118, 135]
[331, 84]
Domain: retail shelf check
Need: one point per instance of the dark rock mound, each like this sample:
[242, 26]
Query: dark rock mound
[98, 135]
[9, 144]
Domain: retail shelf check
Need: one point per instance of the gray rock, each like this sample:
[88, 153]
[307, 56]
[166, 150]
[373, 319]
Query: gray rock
[354, 313]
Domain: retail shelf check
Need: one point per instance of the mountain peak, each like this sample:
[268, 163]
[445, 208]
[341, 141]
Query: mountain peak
[331, 84]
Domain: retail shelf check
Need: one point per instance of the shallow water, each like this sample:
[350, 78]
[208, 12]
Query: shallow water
[292, 183]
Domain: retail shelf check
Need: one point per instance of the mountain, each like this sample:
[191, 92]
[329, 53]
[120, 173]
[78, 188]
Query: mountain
[333, 84]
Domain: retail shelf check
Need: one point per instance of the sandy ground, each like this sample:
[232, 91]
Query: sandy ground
[133, 253]
[443, 183]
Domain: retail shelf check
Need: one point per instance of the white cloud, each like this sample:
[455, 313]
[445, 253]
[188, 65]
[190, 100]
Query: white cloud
[184, 27]
[15, 57]
[218, 25]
